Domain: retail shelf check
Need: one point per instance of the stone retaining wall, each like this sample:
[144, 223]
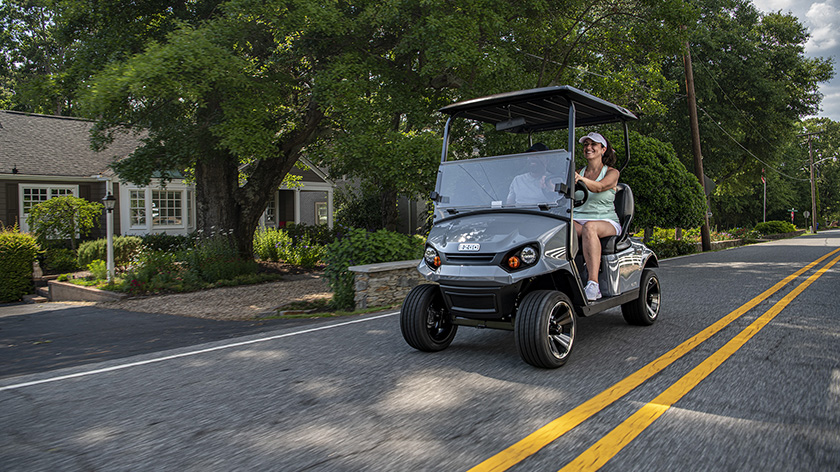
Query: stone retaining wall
[386, 283]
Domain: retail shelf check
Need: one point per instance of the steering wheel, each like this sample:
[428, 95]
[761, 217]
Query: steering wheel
[580, 187]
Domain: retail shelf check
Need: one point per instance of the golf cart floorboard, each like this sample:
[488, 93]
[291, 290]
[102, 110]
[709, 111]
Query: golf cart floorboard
[606, 303]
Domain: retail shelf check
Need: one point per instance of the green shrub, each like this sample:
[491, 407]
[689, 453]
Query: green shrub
[313, 234]
[57, 260]
[304, 253]
[64, 217]
[215, 259]
[775, 227]
[17, 253]
[268, 243]
[361, 247]
[665, 248]
[126, 248]
[98, 269]
[167, 242]
[154, 271]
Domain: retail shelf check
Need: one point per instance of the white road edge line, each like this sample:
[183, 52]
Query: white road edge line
[190, 353]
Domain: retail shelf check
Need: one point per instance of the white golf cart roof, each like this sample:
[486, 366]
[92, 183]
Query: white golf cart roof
[540, 109]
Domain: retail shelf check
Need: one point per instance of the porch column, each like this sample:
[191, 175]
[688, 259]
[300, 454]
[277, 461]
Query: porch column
[330, 207]
[297, 205]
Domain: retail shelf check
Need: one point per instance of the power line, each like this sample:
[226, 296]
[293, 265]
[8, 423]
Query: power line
[747, 150]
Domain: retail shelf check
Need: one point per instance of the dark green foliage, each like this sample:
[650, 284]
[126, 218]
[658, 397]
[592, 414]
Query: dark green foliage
[671, 248]
[216, 259]
[314, 234]
[17, 253]
[666, 193]
[359, 208]
[126, 248]
[359, 247]
[56, 260]
[775, 227]
[167, 242]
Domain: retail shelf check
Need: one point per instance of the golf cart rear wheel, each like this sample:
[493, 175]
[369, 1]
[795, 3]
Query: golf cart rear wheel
[424, 320]
[644, 310]
[545, 328]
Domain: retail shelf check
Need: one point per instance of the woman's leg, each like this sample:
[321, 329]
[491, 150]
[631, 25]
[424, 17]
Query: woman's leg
[591, 233]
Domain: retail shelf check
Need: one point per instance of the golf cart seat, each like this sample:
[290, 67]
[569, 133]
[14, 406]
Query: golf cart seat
[624, 209]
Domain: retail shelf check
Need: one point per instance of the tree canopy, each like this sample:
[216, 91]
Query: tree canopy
[232, 93]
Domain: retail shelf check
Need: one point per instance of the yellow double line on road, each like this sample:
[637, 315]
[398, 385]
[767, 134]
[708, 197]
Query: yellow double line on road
[608, 446]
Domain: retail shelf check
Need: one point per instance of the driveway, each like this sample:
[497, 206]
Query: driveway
[42, 337]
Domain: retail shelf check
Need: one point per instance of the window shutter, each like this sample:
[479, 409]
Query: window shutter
[11, 216]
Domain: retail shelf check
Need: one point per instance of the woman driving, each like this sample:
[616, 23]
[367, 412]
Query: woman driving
[596, 218]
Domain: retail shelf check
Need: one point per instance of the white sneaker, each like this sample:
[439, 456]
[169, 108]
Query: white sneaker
[593, 291]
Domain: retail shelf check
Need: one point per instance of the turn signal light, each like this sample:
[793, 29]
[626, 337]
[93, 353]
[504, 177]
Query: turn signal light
[514, 262]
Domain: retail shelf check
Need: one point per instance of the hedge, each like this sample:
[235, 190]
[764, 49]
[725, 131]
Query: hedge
[359, 247]
[126, 248]
[775, 227]
[17, 253]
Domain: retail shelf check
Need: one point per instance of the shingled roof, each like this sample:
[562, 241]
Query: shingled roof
[55, 146]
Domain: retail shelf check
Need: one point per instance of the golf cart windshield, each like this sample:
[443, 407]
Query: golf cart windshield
[533, 181]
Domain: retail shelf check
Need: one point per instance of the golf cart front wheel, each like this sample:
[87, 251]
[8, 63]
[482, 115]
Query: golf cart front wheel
[425, 322]
[644, 310]
[545, 328]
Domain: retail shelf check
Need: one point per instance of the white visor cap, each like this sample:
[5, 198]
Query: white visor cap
[596, 137]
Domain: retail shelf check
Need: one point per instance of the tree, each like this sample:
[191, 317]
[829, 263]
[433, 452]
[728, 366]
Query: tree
[753, 85]
[237, 91]
[416, 58]
[666, 193]
[826, 156]
[33, 59]
[64, 218]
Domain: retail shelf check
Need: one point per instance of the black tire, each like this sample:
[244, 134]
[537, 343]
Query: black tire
[644, 310]
[545, 328]
[424, 320]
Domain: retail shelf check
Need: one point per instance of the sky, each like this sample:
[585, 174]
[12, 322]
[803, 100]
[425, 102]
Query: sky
[822, 18]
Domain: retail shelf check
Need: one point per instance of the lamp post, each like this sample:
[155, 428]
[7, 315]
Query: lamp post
[110, 202]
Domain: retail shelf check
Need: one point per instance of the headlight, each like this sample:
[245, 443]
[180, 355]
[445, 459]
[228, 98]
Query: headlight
[432, 258]
[529, 255]
[521, 258]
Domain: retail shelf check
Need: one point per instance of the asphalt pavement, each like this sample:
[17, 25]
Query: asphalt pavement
[46, 336]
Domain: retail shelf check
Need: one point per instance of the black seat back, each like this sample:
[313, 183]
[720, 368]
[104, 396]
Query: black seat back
[624, 208]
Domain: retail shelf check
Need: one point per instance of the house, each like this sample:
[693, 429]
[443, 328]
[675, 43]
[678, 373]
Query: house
[44, 156]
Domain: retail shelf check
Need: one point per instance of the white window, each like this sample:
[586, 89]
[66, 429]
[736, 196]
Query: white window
[271, 211]
[137, 208]
[156, 209]
[321, 213]
[167, 208]
[31, 195]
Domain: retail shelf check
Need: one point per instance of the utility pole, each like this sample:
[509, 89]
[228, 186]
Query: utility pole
[813, 183]
[705, 236]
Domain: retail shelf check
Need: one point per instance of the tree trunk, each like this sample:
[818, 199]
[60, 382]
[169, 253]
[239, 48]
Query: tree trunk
[388, 208]
[218, 214]
[233, 211]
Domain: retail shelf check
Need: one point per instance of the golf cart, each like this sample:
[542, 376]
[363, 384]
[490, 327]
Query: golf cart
[503, 262]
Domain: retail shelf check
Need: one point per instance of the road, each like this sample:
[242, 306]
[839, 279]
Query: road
[741, 372]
